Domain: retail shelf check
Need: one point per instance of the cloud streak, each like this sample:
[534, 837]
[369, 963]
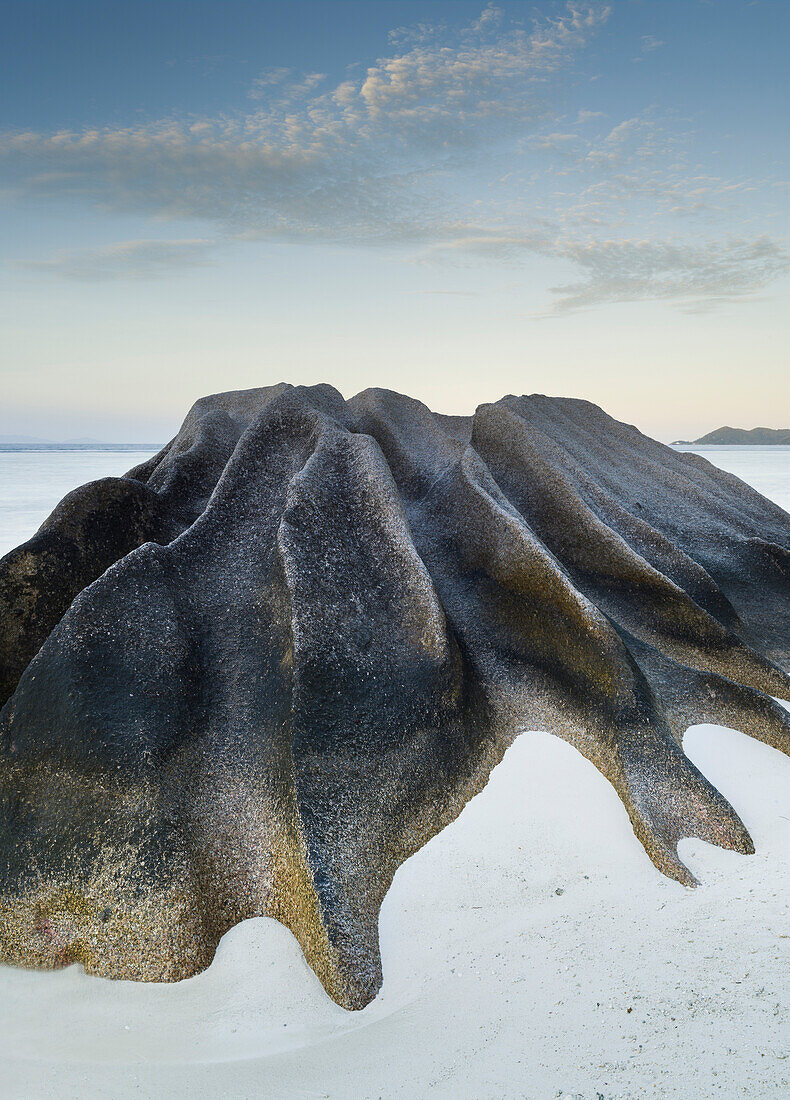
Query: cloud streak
[385, 159]
[346, 161]
[694, 276]
[141, 259]
[650, 43]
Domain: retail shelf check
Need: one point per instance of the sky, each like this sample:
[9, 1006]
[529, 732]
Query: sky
[456, 200]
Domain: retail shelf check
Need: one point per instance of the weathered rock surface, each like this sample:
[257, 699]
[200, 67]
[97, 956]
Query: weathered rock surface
[257, 673]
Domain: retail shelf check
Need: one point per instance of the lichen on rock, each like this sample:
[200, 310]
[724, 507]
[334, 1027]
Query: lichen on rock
[256, 674]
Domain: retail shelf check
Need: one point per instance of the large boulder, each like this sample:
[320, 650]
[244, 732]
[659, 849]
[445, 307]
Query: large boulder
[256, 674]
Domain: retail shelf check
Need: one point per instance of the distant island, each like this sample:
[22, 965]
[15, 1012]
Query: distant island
[33, 441]
[754, 437]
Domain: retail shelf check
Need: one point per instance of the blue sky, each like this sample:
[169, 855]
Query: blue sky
[456, 200]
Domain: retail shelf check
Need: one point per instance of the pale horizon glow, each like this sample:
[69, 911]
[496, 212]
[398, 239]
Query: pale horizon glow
[453, 200]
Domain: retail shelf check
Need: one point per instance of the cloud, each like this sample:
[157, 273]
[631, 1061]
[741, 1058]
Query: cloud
[268, 79]
[553, 141]
[694, 276]
[356, 162]
[588, 116]
[416, 33]
[650, 42]
[464, 244]
[143, 259]
[459, 91]
[490, 17]
[641, 170]
[384, 158]
[288, 90]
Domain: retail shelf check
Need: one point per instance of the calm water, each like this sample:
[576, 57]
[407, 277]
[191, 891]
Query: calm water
[33, 480]
[765, 468]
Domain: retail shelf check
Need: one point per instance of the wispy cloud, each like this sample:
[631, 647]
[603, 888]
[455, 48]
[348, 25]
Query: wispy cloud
[640, 170]
[694, 276]
[650, 42]
[384, 158]
[142, 259]
[289, 85]
[309, 161]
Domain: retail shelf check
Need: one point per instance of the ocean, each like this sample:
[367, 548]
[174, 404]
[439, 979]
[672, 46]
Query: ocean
[766, 469]
[34, 478]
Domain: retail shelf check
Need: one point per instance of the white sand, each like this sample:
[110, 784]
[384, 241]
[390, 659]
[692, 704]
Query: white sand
[496, 985]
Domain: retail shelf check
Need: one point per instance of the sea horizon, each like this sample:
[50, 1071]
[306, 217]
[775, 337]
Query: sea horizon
[14, 448]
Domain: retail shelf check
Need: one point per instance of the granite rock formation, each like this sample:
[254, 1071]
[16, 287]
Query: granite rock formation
[257, 673]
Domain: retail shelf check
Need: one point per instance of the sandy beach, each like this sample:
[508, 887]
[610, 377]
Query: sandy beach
[530, 950]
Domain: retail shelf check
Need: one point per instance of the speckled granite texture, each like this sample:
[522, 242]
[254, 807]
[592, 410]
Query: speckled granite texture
[257, 673]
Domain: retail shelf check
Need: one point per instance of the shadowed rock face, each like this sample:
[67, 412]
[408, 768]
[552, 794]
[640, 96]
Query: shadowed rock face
[256, 674]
